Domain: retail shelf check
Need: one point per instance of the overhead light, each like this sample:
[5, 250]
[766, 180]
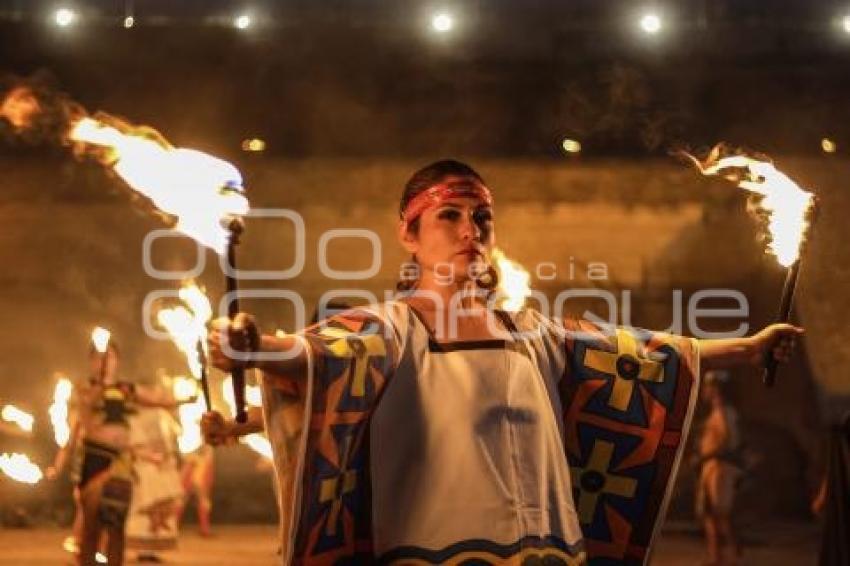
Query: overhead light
[442, 22]
[828, 146]
[651, 23]
[64, 17]
[845, 23]
[242, 22]
[129, 22]
[571, 146]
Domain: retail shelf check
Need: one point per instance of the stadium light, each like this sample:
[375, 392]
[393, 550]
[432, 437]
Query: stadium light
[64, 17]
[651, 23]
[242, 21]
[442, 22]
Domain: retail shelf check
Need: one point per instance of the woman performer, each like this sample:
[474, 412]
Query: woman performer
[440, 430]
[104, 480]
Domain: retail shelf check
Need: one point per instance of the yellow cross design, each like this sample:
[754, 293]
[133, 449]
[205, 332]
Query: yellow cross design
[360, 348]
[595, 480]
[625, 366]
[332, 489]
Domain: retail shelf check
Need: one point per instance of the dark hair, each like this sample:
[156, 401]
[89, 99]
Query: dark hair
[429, 176]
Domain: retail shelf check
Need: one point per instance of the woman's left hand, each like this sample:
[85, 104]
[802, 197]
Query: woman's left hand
[776, 340]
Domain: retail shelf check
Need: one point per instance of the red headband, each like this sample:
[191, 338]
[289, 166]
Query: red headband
[438, 194]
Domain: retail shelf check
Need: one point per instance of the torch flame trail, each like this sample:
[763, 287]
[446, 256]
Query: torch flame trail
[20, 468]
[195, 188]
[513, 281]
[58, 411]
[14, 415]
[786, 204]
[19, 107]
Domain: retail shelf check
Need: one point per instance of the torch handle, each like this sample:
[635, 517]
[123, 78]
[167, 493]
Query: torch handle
[205, 382]
[237, 374]
[771, 365]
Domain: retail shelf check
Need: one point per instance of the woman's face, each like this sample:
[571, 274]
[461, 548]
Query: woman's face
[452, 237]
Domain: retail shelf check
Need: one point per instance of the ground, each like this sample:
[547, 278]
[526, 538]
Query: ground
[255, 545]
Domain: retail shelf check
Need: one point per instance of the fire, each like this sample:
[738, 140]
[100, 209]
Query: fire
[196, 189]
[187, 325]
[58, 411]
[513, 281]
[100, 338]
[253, 397]
[19, 107]
[786, 205]
[190, 438]
[20, 468]
[12, 414]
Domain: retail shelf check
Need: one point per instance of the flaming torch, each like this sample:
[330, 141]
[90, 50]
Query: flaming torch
[789, 211]
[187, 327]
[202, 194]
[198, 194]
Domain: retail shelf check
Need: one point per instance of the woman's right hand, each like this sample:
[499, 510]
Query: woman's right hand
[232, 341]
[215, 429]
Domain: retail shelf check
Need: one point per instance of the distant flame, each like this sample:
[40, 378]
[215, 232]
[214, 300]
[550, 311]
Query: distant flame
[58, 411]
[190, 438]
[197, 189]
[20, 468]
[187, 325]
[253, 397]
[513, 282]
[786, 204]
[19, 107]
[100, 338]
[12, 414]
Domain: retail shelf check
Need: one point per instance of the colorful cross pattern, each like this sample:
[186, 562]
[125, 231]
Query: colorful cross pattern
[625, 367]
[623, 441]
[360, 348]
[596, 479]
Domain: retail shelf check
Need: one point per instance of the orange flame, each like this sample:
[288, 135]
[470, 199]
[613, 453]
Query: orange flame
[187, 325]
[19, 107]
[190, 414]
[513, 282]
[20, 468]
[198, 190]
[58, 411]
[786, 205]
[12, 414]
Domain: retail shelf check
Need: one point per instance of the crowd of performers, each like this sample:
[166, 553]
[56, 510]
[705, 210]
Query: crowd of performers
[130, 481]
[403, 433]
